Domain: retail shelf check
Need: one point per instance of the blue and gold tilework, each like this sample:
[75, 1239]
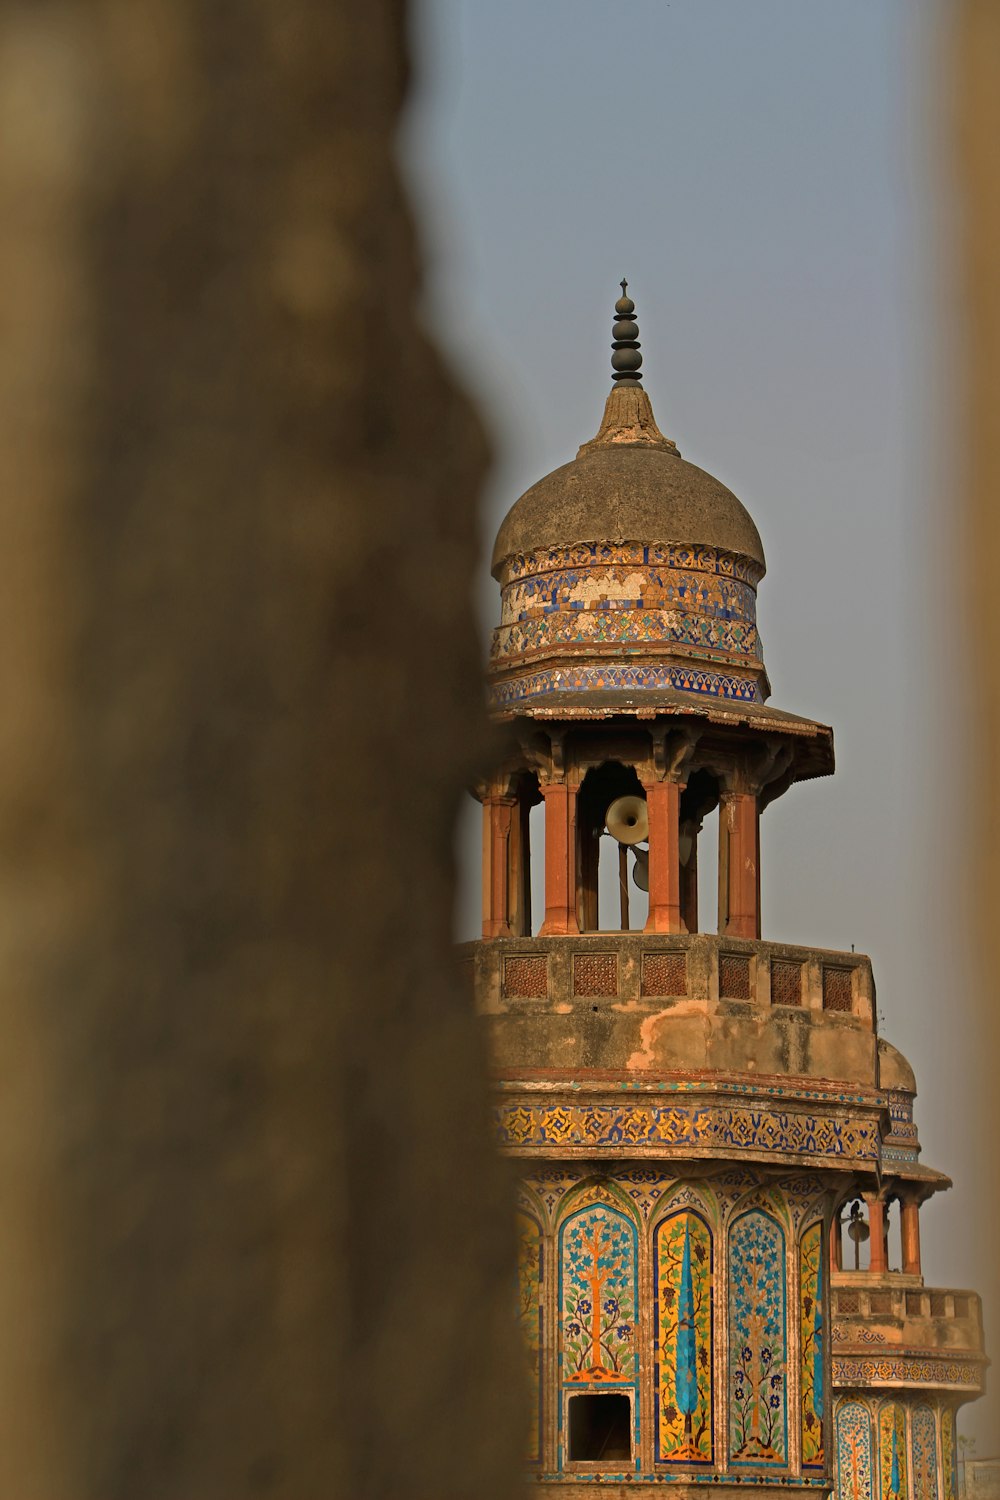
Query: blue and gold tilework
[572, 616]
[573, 679]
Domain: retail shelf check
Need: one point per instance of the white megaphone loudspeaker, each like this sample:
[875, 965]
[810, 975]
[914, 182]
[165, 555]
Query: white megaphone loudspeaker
[627, 820]
[640, 870]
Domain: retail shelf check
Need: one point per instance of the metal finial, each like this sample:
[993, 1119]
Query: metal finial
[626, 359]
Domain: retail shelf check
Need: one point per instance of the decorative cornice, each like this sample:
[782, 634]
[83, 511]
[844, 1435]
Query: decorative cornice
[916, 1368]
[832, 1138]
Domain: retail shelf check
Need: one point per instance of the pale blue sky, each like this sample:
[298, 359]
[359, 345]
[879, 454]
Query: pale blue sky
[766, 174]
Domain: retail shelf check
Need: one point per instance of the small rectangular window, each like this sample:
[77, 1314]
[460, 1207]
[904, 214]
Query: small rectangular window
[600, 1429]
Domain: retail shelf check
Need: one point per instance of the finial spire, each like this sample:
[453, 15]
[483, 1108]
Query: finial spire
[626, 359]
[628, 413]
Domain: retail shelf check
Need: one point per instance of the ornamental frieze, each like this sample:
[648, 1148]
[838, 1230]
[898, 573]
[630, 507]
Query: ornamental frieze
[903, 1369]
[714, 1126]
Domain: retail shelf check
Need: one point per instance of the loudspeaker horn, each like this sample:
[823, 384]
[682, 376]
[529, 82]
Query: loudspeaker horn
[640, 870]
[627, 820]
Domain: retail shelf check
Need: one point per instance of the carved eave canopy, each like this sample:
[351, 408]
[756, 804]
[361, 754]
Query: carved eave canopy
[812, 742]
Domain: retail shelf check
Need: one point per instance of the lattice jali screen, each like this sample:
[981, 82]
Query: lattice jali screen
[595, 974]
[526, 977]
[664, 974]
[836, 989]
[734, 977]
[786, 982]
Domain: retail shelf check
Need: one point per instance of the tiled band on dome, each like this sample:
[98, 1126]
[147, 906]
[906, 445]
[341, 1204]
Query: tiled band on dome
[586, 600]
[653, 677]
[611, 623]
[627, 587]
[662, 554]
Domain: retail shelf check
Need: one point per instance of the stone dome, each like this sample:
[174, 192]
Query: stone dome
[627, 491]
[628, 572]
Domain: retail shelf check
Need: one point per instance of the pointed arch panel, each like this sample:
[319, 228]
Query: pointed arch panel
[892, 1469]
[682, 1295]
[949, 1454]
[855, 1470]
[530, 1276]
[758, 1342]
[925, 1457]
[812, 1339]
[598, 1295]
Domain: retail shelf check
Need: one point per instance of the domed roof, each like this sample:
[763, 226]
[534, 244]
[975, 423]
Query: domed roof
[895, 1071]
[628, 575]
[629, 483]
[622, 488]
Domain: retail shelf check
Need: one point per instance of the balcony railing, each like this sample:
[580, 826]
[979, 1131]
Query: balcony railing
[641, 968]
[893, 1311]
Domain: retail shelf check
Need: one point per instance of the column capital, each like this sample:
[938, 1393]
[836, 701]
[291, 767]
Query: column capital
[498, 786]
[571, 778]
[761, 772]
[672, 750]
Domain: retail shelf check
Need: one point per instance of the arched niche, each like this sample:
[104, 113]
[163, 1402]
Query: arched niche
[684, 1327]
[757, 1364]
[598, 1302]
[699, 856]
[813, 1393]
[854, 1471]
[530, 1313]
[608, 897]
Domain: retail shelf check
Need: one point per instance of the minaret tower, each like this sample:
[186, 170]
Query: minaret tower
[691, 1107]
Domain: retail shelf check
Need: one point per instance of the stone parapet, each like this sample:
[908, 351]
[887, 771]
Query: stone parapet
[647, 1004]
[891, 1331]
[637, 966]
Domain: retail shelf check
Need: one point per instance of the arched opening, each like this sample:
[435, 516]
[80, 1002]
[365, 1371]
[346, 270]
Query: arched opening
[699, 856]
[856, 1237]
[527, 856]
[536, 864]
[894, 1235]
[609, 896]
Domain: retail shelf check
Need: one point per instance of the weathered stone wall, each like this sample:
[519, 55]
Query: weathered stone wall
[254, 1239]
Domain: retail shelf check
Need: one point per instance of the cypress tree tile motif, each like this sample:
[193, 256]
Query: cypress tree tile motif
[949, 1455]
[892, 1452]
[812, 1337]
[682, 1269]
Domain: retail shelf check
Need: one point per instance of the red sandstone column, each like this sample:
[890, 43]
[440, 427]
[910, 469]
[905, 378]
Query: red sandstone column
[663, 802]
[878, 1261]
[739, 821]
[560, 859]
[909, 1219]
[496, 866]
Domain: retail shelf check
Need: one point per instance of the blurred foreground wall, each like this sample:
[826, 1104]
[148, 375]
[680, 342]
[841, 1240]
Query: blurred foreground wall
[253, 1238]
[975, 127]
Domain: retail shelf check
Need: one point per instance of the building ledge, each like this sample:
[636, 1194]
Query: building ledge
[892, 1330]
